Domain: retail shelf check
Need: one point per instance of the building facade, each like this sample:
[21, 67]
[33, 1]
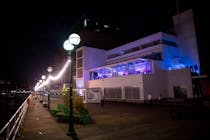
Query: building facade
[159, 64]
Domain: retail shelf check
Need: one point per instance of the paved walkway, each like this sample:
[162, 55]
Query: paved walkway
[127, 121]
[123, 121]
[40, 125]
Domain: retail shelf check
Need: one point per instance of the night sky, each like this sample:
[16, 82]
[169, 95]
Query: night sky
[32, 33]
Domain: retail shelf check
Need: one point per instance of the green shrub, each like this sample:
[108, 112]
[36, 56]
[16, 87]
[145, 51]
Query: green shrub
[81, 114]
[79, 106]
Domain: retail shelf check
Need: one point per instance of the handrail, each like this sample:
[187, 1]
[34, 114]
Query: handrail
[12, 126]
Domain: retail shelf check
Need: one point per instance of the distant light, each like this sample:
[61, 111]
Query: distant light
[80, 92]
[43, 77]
[85, 22]
[49, 69]
[68, 46]
[97, 30]
[69, 60]
[106, 26]
[74, 39]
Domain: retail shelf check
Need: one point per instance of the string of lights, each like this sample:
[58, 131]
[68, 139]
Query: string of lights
[41, 84]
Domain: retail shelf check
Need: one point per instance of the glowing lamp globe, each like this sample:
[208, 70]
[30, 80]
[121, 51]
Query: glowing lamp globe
[49, 69]
[74, 39]
[43, 77]
[67, 46]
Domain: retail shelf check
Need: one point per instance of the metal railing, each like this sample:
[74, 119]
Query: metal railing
[12, 127]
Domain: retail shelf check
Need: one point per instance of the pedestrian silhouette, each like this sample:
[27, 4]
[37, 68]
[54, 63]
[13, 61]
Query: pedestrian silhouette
[149, 97]
[102, 101]
[159, 97]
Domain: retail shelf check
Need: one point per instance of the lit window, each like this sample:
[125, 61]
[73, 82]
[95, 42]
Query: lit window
[143, 67]
[122, 70]
[114, 71]
[131, 68]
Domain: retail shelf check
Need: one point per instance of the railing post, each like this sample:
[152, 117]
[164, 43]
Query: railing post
[8, 131]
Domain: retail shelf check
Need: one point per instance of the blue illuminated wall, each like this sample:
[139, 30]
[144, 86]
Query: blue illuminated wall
[186, 40]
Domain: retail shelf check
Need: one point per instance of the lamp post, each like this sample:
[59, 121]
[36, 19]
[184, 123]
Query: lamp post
[40, 96]
[49, 70]
[43, 80]
[69, 45]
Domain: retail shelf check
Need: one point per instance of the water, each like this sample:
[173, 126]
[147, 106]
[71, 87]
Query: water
[9, 105]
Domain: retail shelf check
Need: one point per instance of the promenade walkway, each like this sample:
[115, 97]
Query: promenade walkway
[40, 125]
[124, 121]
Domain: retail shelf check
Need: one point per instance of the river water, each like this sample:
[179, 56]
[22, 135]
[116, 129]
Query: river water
[9, 105]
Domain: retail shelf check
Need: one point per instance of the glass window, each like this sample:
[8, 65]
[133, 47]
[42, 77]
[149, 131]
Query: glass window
[113, 55]
[79, 73]
[102, 73]
[143, 67]
[114, 71]
[148, 67]
[122, 70]
[79, 54]
[140, 67]
[107, 72]
[131, 68]
[95, 74]
[79, 63]
[170, 43]
[131, 50]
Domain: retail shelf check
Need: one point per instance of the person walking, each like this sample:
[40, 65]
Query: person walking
[102, 101]
[160, 98]
[149, 97]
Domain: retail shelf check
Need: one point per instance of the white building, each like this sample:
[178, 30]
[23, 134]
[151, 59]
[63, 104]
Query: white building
[160, 64]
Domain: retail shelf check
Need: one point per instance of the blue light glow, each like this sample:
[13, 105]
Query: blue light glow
[140, 66]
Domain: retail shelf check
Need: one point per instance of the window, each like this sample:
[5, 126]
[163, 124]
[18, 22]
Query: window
[170, 43]
[113, 55]
[154, 56]
[157, 42]
[79, 63]
[114, 71]
[132, 93]
[130, 50]
[143, 67]
[140, 66]
[122, 70]
[96, 75]
[113, 93]
[131, 68]
[151, 44]
[146, 45]
[106, 73]
[79, 73]
[79, 54]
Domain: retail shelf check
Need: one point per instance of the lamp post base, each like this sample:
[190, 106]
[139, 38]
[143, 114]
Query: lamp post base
[73, 135]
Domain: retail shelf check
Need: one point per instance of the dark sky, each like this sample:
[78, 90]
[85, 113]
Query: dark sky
[32, 33]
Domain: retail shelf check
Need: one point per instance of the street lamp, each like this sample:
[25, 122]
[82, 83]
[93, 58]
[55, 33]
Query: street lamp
[40, 95]
[49, 70]
[43, 77]
[69, 45]
[43, 80]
